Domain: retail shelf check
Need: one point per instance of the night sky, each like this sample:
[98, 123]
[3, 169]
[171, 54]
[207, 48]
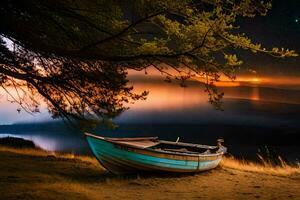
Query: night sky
[280, 28]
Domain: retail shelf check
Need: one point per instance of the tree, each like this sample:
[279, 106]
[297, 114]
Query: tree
[76, 54]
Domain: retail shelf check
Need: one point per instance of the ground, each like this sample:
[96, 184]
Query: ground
[40, 176]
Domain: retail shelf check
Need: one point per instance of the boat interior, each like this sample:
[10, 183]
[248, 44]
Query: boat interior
[181, 148]
[166, 146]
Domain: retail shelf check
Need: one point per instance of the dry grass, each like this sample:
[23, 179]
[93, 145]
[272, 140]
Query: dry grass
[229, 162]
[266, 167]
[37, 175]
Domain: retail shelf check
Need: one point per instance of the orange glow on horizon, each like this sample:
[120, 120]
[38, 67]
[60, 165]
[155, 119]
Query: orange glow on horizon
[287, 81]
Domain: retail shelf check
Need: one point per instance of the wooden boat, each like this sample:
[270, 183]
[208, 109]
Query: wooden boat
[132, 155]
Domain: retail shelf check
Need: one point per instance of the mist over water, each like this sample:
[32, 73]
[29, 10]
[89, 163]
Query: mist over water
[257, 117]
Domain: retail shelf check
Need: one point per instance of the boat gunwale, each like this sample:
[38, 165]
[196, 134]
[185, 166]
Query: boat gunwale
[157, 150]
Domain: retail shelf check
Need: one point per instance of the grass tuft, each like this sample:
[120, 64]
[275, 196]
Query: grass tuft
[266, 167]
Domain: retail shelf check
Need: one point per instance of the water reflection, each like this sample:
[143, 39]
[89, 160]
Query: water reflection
[53, 141]
[255, 94]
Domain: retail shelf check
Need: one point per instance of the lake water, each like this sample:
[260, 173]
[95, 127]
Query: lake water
[257, 118]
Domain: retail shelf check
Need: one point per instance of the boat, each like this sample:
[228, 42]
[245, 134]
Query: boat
[149, 154]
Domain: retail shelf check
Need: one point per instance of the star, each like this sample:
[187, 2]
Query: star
[296, 20]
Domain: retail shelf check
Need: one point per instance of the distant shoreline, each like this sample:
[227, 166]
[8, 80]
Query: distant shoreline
[243, 141]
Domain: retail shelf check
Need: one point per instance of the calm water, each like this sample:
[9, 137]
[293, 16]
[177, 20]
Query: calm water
[257, 119]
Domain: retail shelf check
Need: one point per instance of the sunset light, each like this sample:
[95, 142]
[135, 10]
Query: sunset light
[255, 80]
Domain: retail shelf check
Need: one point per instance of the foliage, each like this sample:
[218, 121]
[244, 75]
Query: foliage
[76, 54]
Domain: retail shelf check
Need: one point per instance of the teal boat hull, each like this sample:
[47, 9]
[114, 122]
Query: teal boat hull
[120, 159]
